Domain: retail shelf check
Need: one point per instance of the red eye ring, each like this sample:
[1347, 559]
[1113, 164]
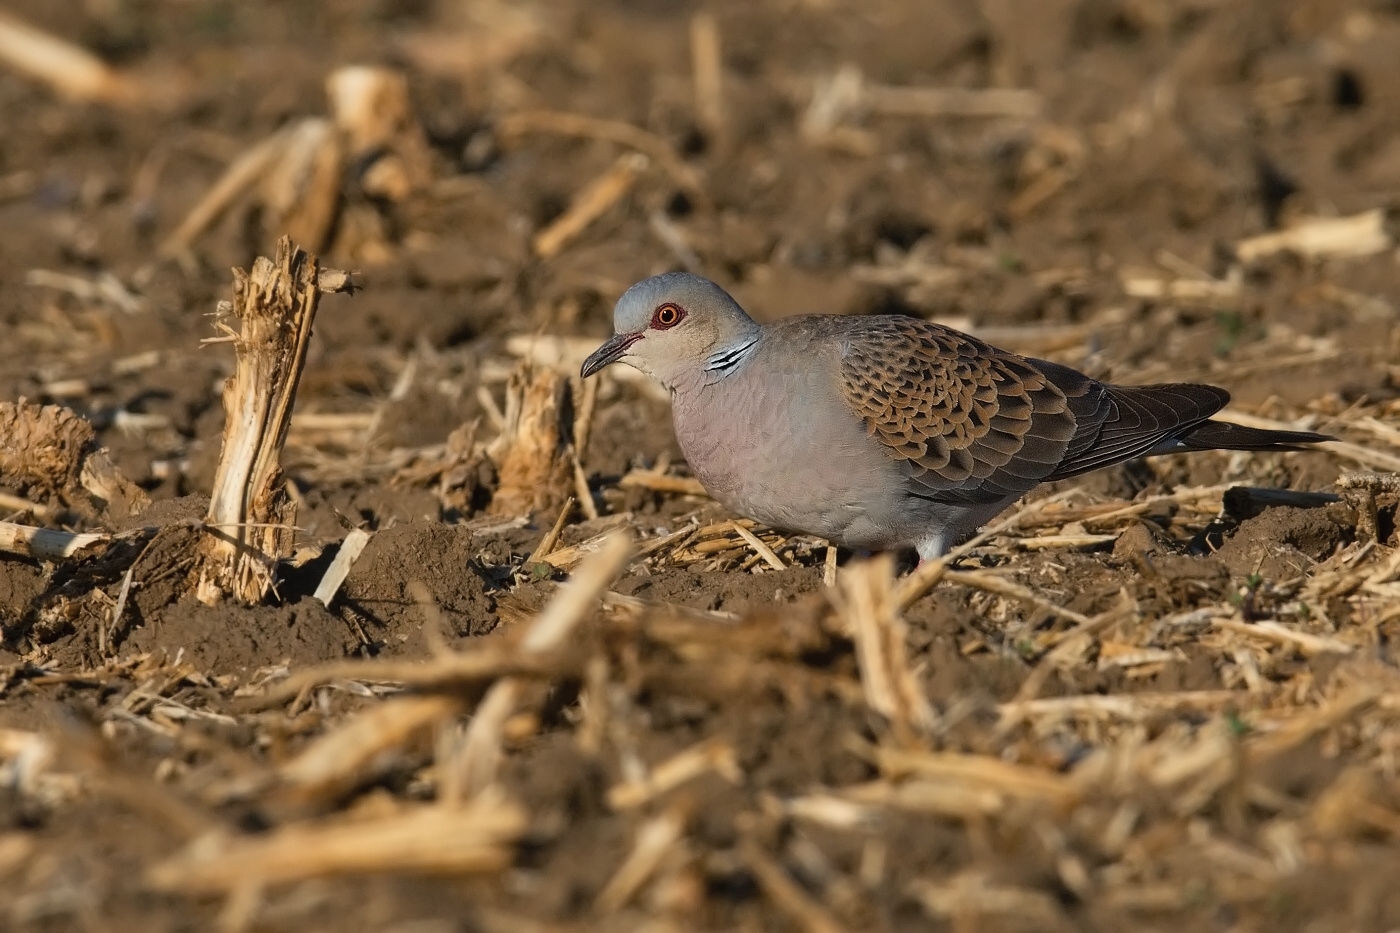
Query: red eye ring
[667, 315]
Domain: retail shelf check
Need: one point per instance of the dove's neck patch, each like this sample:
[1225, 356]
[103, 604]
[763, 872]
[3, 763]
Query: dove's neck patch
[723, 363]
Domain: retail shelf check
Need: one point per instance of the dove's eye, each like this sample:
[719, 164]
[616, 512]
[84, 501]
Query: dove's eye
[667, 315]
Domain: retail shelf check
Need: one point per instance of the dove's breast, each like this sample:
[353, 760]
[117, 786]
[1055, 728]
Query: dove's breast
[775, 442]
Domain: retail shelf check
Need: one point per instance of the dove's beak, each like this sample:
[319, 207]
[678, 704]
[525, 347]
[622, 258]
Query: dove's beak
[610, 352]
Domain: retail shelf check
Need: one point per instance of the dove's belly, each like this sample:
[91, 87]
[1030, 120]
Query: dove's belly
[760, 450]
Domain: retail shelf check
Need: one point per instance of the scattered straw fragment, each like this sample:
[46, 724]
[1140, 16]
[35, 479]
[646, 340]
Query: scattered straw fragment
[957, 800]
[707, 66]
[992, 583]
[590, 203]
[1299, 728]
[476, 762]
[711, 755]
[578, 595]
[654, 840]
[582, 493]
[103, 289]
[551, 539]
[970, 897]
[348, 423]
[1113, 654]
[1127, 706]
[660, 482]
[833, 811]
[636, 604]
[847, 95]
[573, 124]
[456, 670]
[1278, 633]
[1206, 290]
[1013, 780]
[1047, 542]
[1358, 235]
[587, 406]
[869, 611]
[72, 71]
[352, 754]
[786, 894]
[1349, 807]
[22, 506]
[111, 628]
[939, 102]
[565, 558]
[45, 543]
[476, 837]
[472, 763]
[761, 549]
[350, 550]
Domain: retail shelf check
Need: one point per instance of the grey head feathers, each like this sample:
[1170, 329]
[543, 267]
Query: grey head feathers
[676, 328]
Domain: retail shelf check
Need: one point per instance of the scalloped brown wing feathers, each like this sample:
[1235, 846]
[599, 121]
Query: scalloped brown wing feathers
[977, 424]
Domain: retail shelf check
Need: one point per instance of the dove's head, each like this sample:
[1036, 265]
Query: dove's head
[677, 327]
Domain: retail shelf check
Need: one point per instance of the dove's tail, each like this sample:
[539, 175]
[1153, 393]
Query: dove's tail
[1222, 435]
[1117, 423]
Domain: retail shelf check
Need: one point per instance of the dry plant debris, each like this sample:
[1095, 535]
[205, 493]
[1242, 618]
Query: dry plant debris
[297, 177]
[250, 521]
[72, 71]
[52, 453]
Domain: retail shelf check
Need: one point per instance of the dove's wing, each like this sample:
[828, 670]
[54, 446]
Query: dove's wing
[976, 424]
[979, 424]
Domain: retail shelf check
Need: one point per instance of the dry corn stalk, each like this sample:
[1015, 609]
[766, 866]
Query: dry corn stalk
[297, 175]
[532, 451]
[250, 514]
[375, 117]
[301, 189]
[56, 450]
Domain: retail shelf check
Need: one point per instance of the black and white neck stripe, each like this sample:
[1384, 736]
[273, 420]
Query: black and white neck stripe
[724, 362]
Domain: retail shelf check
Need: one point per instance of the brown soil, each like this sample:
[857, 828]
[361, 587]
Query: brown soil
[1170, 130]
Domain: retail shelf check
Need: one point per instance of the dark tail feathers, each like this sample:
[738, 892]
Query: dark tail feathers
[1221, 435]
